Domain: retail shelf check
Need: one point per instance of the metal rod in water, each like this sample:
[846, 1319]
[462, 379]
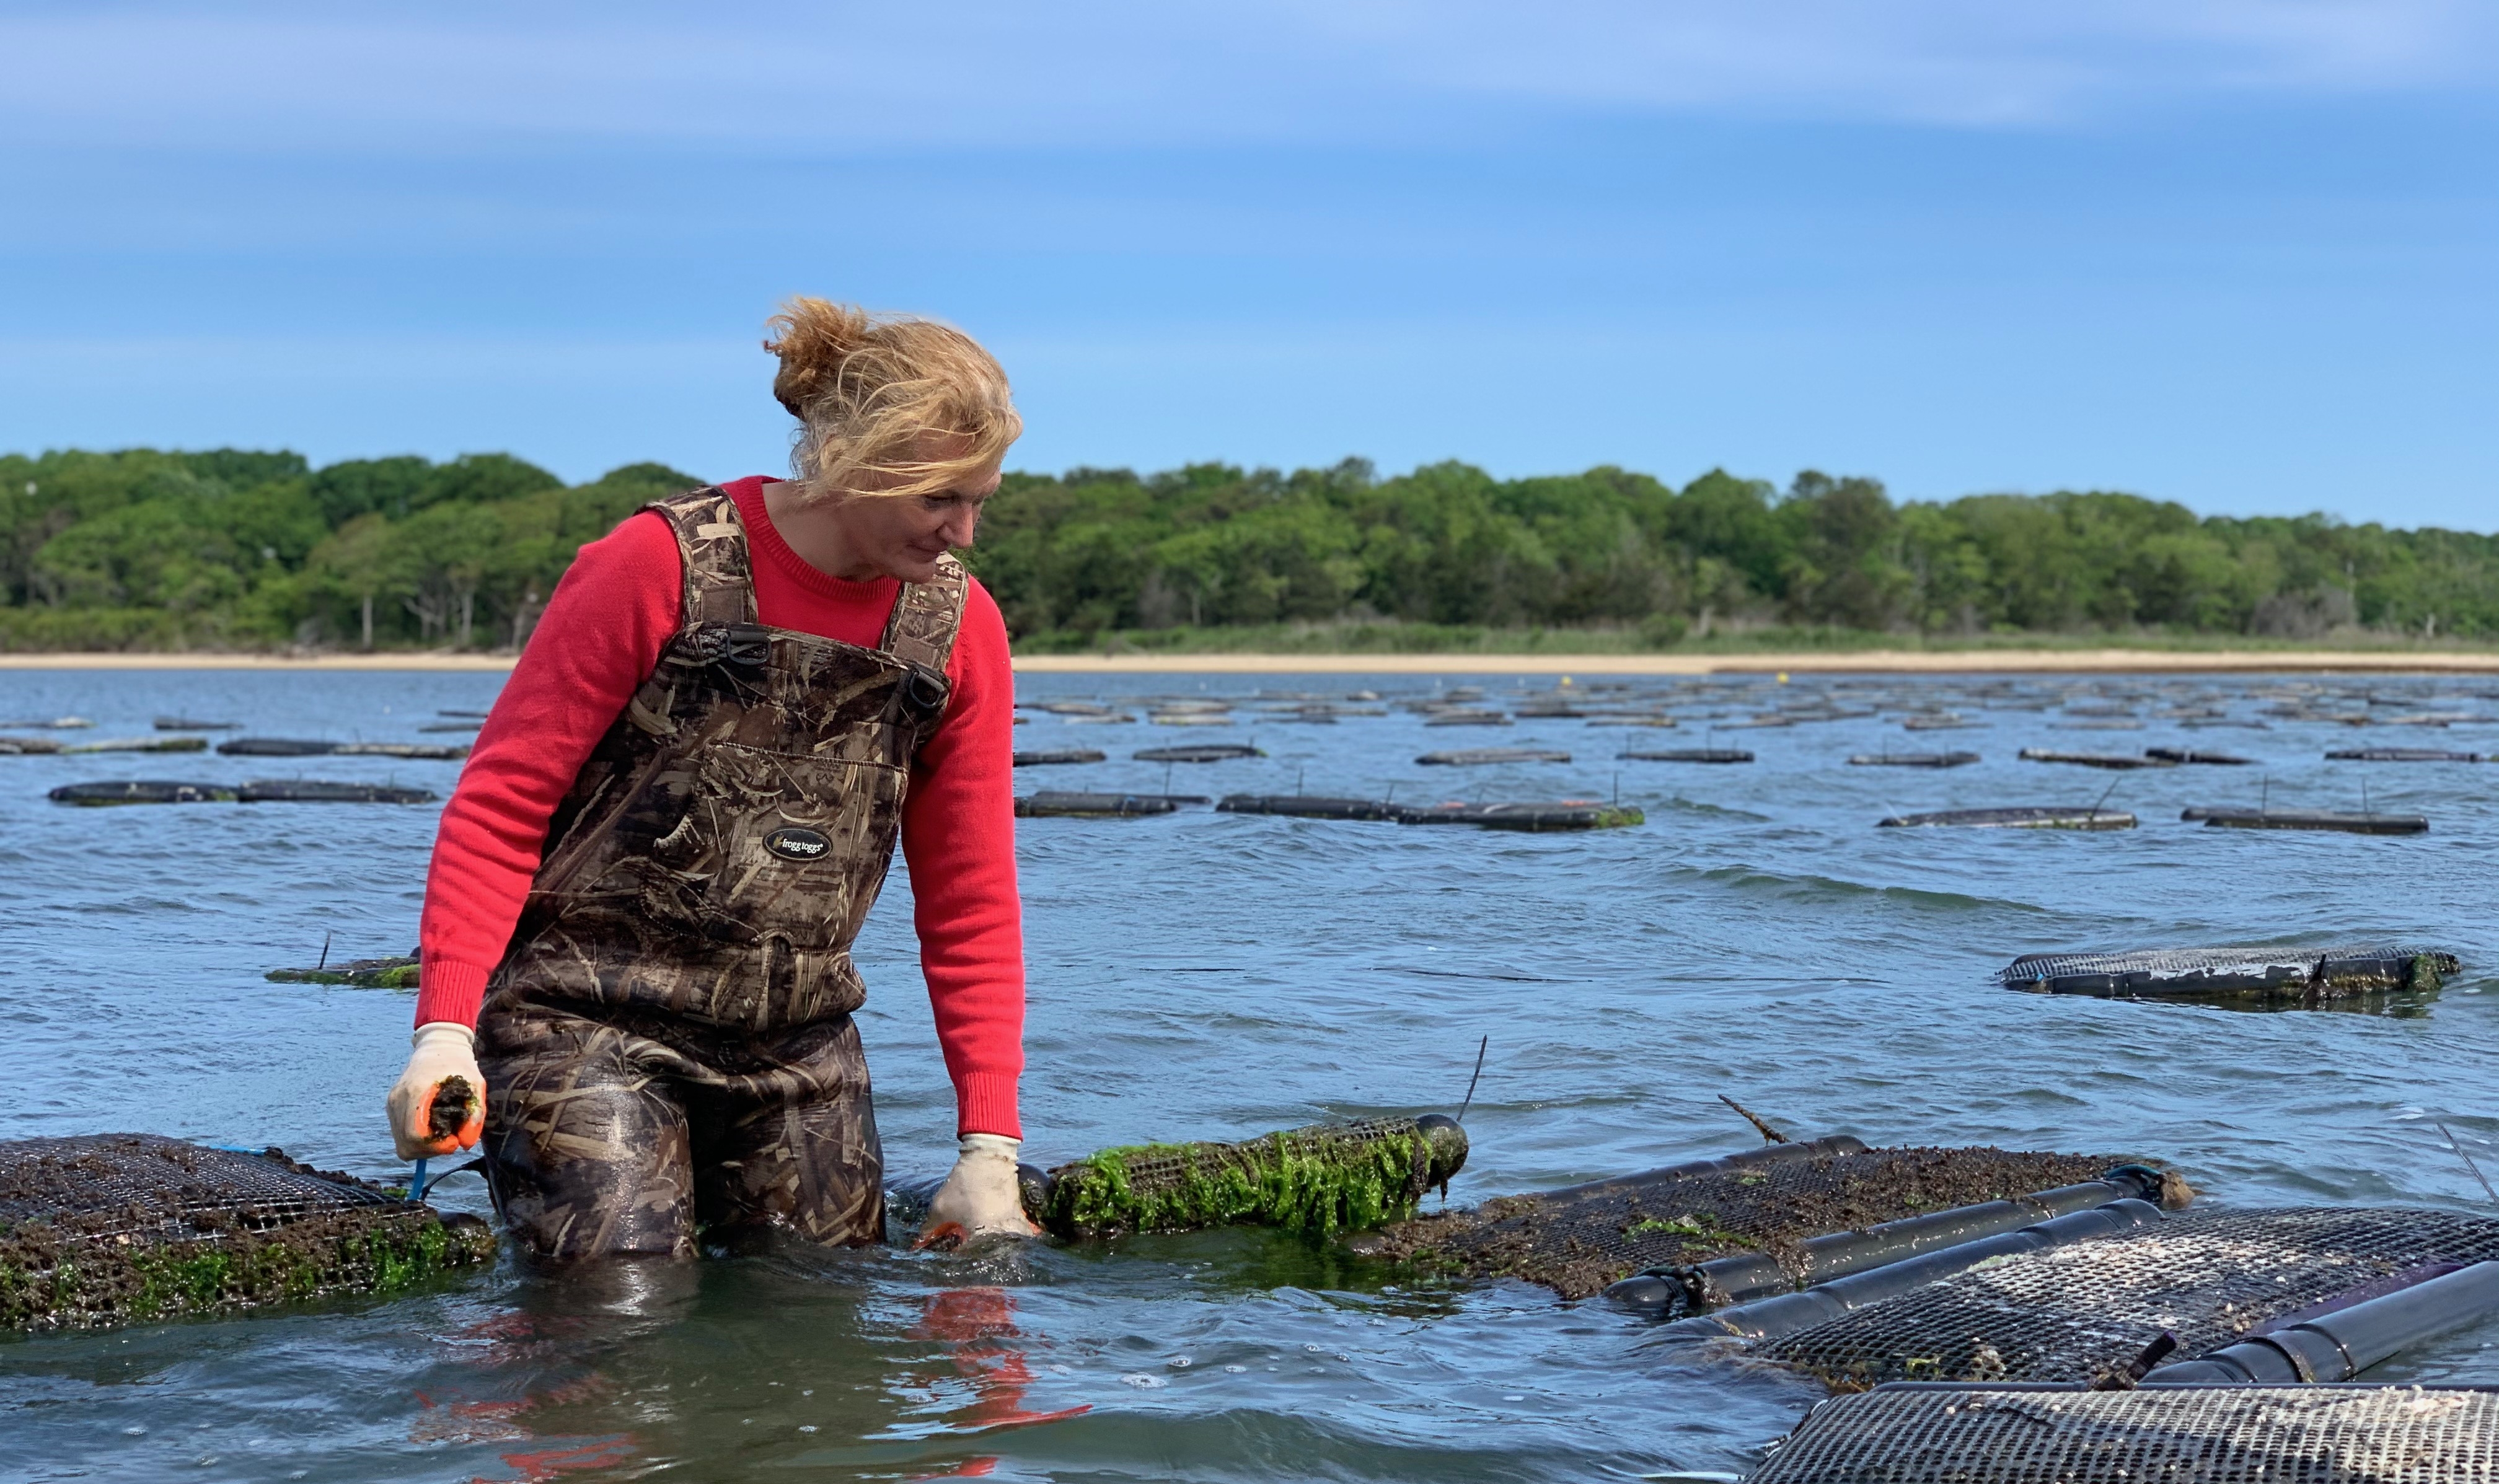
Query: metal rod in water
[1770, 1135]
[2468, 1161]
[1481, 1047]
[417, 1182]
[325, 954]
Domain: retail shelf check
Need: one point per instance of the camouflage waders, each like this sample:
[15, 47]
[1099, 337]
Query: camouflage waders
[667, 1042]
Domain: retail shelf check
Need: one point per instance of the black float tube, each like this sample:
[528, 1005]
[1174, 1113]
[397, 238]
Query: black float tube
[1789, 1313]
[2336, 1344]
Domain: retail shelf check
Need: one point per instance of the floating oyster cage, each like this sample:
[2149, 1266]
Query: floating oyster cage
[2116, 760]
[1320, 1180]
[1765, 1221]
[1312, 807]
[2019, 817]
[1485, 756]
[2398, 755]
[305, 747]
[1954, 760]
[2340, 1434]
[1215, 752]
[1688, 755]
[106, 1229]
[283, 791]
[139, 745]
[2341, 821]
[1563, 815]
[363, 973]
[2282, 973]
[1059, 755]
[2122, 1292]
[2189, 754]
[1054, 804]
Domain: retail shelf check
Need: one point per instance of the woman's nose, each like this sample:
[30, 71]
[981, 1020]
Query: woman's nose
[961, 527]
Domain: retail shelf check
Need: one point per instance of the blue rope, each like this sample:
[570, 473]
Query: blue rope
[417, 1182]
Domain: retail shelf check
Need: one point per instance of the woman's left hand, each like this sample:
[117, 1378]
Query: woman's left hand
[982, 1196]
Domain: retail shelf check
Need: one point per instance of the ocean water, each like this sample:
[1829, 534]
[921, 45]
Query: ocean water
[1208, 975]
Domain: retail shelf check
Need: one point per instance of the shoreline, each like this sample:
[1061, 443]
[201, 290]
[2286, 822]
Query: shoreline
[1861, 662]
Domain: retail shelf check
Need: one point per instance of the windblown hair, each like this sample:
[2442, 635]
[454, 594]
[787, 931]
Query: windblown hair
[867, 387]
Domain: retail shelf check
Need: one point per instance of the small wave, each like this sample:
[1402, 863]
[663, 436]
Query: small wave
[1808, 887]
[1681, 805]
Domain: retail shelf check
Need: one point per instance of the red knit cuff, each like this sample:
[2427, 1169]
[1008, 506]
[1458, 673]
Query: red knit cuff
[984, 1102]
[447, 989]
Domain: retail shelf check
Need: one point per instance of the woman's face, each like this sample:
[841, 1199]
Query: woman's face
[902, 535]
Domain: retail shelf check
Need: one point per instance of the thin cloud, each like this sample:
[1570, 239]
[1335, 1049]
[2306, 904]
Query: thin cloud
[288, 75]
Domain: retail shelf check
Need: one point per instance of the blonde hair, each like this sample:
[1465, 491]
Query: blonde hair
[866, 388]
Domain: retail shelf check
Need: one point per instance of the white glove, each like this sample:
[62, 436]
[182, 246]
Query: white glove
[427, 1118]
[981, 1197]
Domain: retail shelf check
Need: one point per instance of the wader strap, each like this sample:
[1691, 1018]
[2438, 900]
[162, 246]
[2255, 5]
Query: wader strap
[719, 584]
[926, 617]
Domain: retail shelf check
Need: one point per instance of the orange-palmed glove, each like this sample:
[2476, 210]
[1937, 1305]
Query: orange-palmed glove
[438, 1104]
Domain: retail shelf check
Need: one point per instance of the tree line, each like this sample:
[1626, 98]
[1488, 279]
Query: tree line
[231, 548]
[146, 549]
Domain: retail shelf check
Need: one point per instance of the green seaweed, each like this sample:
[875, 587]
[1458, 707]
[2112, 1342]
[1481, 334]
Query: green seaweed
[1315, 1182]
[381, 974]
[48, 1281]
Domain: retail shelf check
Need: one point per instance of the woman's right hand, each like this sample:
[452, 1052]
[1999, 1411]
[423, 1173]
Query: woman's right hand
[438, 1104]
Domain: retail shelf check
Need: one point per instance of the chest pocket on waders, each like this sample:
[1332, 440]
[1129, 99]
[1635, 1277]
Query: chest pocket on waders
[780, 844]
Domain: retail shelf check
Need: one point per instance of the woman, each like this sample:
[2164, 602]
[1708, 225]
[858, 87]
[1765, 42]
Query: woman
[638, 922]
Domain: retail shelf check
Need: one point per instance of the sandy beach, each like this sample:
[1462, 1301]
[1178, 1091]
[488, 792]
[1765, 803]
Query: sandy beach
[1861, 662]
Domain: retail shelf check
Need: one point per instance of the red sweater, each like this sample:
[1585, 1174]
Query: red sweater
[601, 637]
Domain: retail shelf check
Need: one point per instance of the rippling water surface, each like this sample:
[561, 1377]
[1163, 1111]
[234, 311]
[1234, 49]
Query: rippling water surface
[1208, 975]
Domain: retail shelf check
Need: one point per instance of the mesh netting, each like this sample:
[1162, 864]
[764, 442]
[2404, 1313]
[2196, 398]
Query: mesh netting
[2306, 973]
[1575, 1243]
[2222, 1434]
[2071, 1313]
[107, 1228]
[1319, 1180]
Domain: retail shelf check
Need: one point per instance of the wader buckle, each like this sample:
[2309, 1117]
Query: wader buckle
[738, 646]
[924, 693]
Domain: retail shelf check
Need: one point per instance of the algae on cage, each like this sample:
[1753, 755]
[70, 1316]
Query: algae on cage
[59, 1280]
[1315, 1182]
[363, 973]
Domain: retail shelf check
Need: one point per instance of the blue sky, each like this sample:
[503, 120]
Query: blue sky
[2243, 255]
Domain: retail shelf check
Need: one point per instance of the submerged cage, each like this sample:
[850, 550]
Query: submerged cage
[1319, 1180]
[2206, 1435]
[109, 1229]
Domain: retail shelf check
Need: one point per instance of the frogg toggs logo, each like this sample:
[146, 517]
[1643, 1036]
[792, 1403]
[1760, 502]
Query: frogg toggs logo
[793, 843]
